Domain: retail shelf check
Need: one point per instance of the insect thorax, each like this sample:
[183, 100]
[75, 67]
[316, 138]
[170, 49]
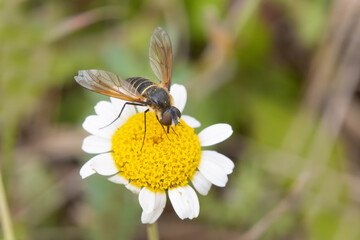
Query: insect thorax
[159, 98]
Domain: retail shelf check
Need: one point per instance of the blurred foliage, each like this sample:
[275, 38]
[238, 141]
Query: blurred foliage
[244, 62]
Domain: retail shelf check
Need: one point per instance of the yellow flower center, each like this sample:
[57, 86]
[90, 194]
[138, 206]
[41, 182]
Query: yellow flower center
[166, 161]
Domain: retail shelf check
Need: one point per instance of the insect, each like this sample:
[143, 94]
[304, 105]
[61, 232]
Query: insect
[141, 91]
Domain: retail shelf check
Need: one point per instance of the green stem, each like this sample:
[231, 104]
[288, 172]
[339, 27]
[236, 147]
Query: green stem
[4, 213]
[152, 231]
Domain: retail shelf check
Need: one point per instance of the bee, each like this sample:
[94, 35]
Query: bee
[140, 91]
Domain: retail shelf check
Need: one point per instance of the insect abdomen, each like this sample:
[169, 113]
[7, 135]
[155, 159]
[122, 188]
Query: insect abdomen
[141, 85]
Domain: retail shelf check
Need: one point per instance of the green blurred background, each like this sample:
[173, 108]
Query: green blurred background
[284, 74]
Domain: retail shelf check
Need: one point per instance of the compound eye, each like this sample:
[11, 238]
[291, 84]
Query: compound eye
[177, 111]
[166, 119]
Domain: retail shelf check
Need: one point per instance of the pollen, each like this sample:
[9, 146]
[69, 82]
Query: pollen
[166, 160]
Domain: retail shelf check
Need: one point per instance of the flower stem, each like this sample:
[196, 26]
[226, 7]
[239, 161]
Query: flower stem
[152, 231]
[4, 213]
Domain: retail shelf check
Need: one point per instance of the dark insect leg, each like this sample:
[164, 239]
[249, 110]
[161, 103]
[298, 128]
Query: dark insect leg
[162, 127]
[174, 131]
[168, 127]
[122, 109]
[144, 130]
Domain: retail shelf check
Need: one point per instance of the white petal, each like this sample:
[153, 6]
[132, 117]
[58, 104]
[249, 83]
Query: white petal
[201, 184]
[185, 202]
[151, 217]
[213, 173]
[152, 204]
[118, 179]
[194, 202]
[141, 109]
[121, 180]
[219, 159]
[214, 134]
[128, 111]
[95, 144]
[104, 164]
[96, 126]
[105, 109]
[133, 188]
[192, 122]
[178, 92]
[109, 112]
[117, 102]
[176, 198]
[86, 170]
[147, 200]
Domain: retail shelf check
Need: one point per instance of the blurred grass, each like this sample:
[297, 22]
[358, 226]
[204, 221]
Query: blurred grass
[247, 63]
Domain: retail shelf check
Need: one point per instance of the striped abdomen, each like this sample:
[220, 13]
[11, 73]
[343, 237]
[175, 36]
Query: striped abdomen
[141, 85]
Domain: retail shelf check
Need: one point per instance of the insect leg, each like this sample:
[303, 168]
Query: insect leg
[144, 130]
[174, 131]
[162, 127]
[122, 109]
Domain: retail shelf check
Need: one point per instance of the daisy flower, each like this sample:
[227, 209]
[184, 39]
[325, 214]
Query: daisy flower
[167, 162]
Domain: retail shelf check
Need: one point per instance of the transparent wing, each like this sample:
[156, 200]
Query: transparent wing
[160, 54]
[109, 84]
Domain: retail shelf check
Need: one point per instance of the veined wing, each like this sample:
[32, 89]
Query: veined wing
[109, 84]
[160, 54]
